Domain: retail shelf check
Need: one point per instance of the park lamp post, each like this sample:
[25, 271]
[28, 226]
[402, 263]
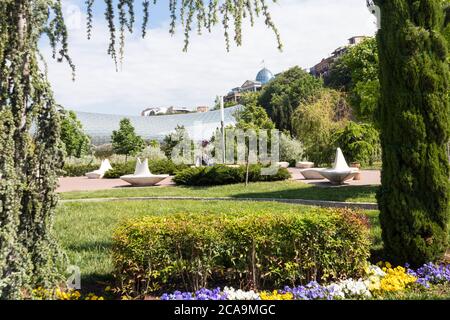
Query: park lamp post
[222, 125]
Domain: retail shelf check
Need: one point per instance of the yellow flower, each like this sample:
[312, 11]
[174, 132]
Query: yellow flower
[396, 279]
[276, 296]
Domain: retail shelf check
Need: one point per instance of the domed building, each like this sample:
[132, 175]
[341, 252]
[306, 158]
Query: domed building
[263, 77]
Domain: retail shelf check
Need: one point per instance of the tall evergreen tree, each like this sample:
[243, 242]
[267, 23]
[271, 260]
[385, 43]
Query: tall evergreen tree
[415, 115]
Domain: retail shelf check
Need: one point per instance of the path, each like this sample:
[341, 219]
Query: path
[369, 177]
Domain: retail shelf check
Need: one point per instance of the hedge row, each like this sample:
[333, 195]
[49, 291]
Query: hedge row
[123, 168]
[258, 250]
[156, 167]
[78, 170]
[221, 175]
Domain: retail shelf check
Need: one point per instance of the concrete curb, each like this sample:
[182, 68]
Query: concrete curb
[318, 203]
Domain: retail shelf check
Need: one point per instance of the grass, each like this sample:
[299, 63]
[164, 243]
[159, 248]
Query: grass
[85, 229]
[272, 190]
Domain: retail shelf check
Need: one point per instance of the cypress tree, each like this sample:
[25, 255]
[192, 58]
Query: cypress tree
[414, 121]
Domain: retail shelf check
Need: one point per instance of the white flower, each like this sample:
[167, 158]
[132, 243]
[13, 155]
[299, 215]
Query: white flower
[350, 289]
[335, 291]
[376, 271]
[233, 294]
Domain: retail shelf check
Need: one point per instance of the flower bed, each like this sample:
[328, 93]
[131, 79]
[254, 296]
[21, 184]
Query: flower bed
[378, 282]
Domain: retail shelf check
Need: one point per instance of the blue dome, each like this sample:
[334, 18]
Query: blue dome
[264, 76]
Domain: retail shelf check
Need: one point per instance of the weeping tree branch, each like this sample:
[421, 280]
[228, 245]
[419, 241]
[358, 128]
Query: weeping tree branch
[203, 14]
[31, 152]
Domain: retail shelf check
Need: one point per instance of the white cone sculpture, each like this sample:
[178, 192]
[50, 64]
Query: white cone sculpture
[142, 175]
[340, 172]
[98, 174]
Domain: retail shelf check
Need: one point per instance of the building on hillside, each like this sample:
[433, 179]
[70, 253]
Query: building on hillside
[178, 110]
[154, 111]
[158, 111]
[323, 67]
[263, 77]
[202, 109]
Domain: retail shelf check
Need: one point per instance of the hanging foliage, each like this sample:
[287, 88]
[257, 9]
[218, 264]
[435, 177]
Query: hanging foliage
[31, 153]
[192, 15]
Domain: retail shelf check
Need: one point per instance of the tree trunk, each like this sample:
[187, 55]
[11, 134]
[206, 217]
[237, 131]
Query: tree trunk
[414, 121]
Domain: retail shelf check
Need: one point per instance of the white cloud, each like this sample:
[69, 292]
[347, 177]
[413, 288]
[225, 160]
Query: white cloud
[157, 73]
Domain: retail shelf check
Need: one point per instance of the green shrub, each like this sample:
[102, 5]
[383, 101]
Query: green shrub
[291, 150]
[156, 167]
[222, 175]
[120, 169]
[166, 167]
[359, 143]
[78, 170]
[259, 250]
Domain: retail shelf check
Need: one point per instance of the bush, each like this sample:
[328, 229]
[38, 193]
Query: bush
[156, 167]
[291, 150]
[152, 153]
[222, 175]
[359, 143]
[120, 169]
[166, 167]
[103, 151]
[258, 250]
[78, 170]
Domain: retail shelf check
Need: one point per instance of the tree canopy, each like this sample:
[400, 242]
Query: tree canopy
[76, 142]
[356, 73]
[125, 141]
[281, 96]
[252, 115]
[316, 121]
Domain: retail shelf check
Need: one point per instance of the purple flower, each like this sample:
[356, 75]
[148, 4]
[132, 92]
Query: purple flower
[431, 274]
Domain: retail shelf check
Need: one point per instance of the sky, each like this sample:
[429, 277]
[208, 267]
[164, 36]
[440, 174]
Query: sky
[156, 72]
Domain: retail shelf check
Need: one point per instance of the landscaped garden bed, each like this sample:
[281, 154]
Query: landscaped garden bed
[431, 281]
[85, 231]
[257, 250]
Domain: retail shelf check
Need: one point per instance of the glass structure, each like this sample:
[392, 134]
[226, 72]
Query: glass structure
[200, 126]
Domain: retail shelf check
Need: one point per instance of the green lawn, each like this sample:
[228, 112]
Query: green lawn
[272, 190]
[85, 229]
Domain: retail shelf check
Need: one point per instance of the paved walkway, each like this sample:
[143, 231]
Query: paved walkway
[369, 177]
[84, 184]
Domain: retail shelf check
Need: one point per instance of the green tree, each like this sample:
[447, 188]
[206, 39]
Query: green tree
[356, 73]
[171, 140]
[281, 96]
[252, 115]
[414, 122]
[360, 142]
[29, 165]
[315, 123]
[76, 142]
[125, 141]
